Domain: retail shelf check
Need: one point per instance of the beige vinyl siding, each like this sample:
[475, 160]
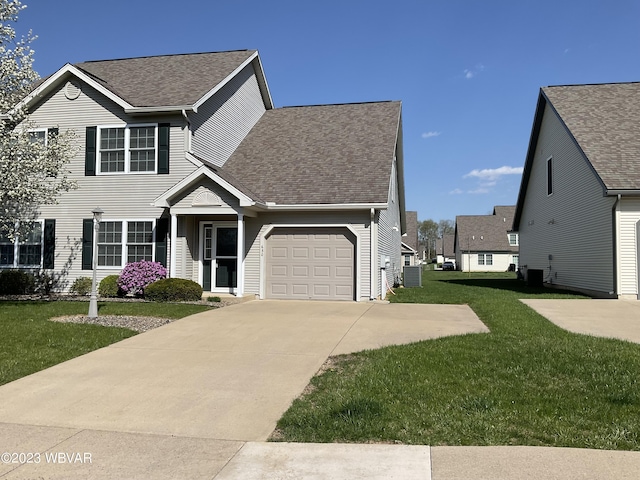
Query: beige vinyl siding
[389, 235]
[501, 262]
[255, 229]
[223, 121]
[628, 217]
[574, 224]
[121, 196]
[226, 199]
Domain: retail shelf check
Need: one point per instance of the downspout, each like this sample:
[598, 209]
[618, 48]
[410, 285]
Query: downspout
[186, 118]
[373, 270]
[616, 246]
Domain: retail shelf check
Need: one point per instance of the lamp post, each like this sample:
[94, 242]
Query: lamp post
[93, 301]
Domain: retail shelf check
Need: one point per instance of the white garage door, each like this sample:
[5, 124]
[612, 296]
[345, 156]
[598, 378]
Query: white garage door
[310, 263]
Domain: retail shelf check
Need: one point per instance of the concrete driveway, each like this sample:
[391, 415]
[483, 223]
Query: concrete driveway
[601, 318]
[180, 401]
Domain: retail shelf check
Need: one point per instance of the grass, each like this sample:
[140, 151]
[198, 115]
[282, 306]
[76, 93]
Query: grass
[527, 382]
[31, 343]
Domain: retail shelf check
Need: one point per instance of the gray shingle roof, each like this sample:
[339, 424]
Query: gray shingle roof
[325, 154]
[167, 80]
[448, 246]
[486, 233]
[605, 121]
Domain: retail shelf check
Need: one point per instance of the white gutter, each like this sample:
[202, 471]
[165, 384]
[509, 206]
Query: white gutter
[373, 271]
[327, 206]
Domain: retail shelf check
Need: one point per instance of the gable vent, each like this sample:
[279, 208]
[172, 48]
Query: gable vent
[72, 90]
[206, 199]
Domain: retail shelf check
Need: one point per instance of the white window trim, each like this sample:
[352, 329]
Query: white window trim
[488, 256]
[517, 240]
[46, 133]
[16, 251]
[125, 250]
[481, 256]
[127, 148]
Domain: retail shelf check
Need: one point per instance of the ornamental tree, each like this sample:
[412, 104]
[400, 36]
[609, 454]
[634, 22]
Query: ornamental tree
[32, 167]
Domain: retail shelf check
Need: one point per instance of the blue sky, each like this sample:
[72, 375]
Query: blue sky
[468, 72]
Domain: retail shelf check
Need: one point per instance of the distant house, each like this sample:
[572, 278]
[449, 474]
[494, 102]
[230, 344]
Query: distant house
[578, 210]
[410, 240]
[486, 243]
[445, 251]
[195, 168]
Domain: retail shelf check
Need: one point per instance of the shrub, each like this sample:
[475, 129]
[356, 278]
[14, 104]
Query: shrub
[213, 299]
[81, 286]
[109, 287]
[136, 276]
[45, 282]
[16, 282]
[173, 290]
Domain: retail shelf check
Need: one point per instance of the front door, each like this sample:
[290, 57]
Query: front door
[219, 257]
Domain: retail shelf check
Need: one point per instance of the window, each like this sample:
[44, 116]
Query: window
[485, 259]
[38, 136]
[549, 176]
[515, 259]
[127, 149]
[130, 240]
[26, 252]
[407, 260]
[513, 239]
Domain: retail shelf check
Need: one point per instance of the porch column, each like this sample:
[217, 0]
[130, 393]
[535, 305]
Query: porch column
[173, 245]
[240, 269]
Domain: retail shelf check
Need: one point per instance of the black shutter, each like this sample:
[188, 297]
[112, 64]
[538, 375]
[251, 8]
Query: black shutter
[49, 247]
[87, 244]
[163, 148]
[90, 151]
[53, 132]
[162, 229]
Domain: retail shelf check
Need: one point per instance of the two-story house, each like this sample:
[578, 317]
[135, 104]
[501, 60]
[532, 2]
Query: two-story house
[195, 168]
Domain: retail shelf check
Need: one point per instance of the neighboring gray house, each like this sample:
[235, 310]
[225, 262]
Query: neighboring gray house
[445, 251]
[578, 209]
[195, 168]
[410, 240]
[486, 243]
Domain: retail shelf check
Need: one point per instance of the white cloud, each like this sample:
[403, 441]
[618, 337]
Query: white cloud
[430, 134]
[493, 174]
[457, 191]
[479, 191]
[470, 73]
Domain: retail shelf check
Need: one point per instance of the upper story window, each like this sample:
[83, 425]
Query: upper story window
[132, 148]
[513, 239]
[23, 252]
[549, 176]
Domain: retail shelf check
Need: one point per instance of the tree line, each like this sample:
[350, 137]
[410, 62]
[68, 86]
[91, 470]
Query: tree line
[430, 230]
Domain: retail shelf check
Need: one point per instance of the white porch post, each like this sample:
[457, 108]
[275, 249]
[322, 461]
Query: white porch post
[173, 245]
[240, 269]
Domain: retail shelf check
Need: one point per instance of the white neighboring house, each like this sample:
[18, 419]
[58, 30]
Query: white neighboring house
[195, 168]
[486, 243]
[578, 210]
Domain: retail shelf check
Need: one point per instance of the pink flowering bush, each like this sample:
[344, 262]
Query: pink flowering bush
[137, 275]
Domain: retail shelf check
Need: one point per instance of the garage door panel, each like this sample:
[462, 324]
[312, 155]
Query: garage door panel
[310, 263]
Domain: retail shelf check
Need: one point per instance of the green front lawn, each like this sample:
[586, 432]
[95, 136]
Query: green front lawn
[29, 342]
[527, 382]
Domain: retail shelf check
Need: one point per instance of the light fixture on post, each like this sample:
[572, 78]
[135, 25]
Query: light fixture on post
[93, 301]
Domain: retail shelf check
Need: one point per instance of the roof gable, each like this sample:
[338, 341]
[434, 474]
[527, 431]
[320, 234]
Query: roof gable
[604, 121]
[326, 154]
[178, 82]
[488, 233]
